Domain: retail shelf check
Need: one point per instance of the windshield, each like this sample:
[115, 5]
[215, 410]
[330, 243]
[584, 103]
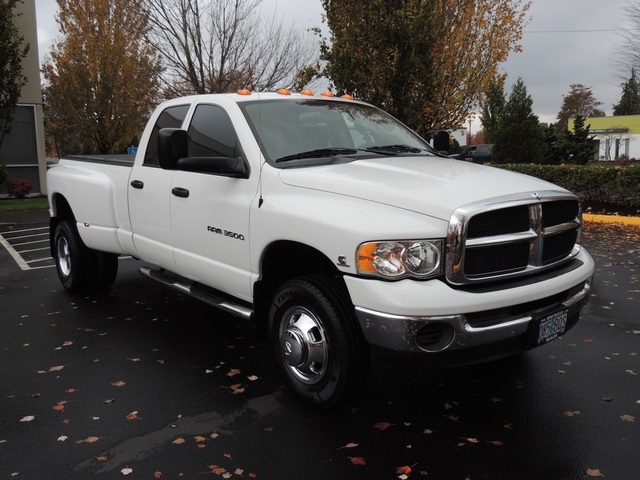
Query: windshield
[312, 131]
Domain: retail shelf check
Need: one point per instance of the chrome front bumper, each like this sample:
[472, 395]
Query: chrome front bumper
[433, 334]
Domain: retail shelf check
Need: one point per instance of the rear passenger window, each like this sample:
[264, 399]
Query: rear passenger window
[211, 134]
[171, 117]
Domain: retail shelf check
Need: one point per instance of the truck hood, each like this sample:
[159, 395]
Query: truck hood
[430, 186]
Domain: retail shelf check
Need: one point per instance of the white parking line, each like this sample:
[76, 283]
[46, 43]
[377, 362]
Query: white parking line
[16, 256]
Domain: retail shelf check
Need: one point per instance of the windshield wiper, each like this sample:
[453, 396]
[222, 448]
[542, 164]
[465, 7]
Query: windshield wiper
[318, 153]
[396, 149]
[332, 152]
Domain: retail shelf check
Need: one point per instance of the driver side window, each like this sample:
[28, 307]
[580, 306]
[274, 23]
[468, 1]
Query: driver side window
[211, 134]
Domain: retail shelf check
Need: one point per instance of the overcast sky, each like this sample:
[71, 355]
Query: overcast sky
[565, 42]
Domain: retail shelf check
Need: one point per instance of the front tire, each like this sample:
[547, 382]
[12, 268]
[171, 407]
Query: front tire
[319, 349]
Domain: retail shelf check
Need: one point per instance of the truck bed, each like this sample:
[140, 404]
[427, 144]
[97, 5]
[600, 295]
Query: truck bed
[123, 160]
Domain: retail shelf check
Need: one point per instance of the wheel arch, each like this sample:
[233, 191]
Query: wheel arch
[60, 211]
[281, 261]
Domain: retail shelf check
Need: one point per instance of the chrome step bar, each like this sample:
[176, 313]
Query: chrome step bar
[199, 292]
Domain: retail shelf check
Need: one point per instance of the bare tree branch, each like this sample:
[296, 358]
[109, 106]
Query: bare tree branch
[212, 46]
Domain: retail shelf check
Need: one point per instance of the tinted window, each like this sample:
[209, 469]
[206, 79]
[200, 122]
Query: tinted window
[211, 134]
[171, 117]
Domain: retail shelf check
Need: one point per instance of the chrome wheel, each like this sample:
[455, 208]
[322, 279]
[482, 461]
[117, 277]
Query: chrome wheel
[63, 256]
[303, 345]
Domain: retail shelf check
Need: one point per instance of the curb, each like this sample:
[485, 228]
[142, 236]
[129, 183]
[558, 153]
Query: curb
[615, 219]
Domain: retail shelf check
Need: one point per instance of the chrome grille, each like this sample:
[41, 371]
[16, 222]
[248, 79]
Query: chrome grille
[512, 236]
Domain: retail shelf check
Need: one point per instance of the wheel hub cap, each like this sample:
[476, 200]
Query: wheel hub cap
[63, 256]
[303, 345]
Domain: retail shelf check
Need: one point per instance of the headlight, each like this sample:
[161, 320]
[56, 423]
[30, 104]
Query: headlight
[415, 258]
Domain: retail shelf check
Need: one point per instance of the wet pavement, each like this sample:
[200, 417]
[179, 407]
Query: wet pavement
[143, 382]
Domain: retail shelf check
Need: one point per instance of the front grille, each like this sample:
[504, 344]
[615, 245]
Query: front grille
[512, 236]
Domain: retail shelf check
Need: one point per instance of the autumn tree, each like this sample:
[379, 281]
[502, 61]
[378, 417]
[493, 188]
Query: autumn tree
[102, 79]
[630, 100]
[13, 49]
[520, 138]
[492, 108]
[214, 46]
[428, 63]
[580, 101]
[473, 38]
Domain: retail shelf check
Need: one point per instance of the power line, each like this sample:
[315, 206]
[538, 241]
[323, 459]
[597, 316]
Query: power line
[573, 31]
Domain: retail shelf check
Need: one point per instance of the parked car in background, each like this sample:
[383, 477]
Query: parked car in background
[476, 153]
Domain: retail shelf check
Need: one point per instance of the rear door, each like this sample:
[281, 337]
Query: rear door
[150, 195]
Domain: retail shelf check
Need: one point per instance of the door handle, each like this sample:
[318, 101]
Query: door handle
[180, 192]
[139, 184]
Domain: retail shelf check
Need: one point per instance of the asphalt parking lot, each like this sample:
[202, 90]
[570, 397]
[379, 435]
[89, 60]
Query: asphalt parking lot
[142, 382]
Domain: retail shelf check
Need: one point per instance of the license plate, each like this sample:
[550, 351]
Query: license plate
[551, 326]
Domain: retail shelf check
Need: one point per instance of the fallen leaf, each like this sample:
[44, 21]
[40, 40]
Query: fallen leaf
[627, 418]
[594, 472]
[574, 413]
[157, 474]
[199, 439]
[88, 440]
[178, 441]
[126, 471]
[28, 418]
[101, 458]
[57, 368]
[607, 399]
[233, 372]
[63, 438]
[358, 460]
[119, 383]
[404, 470]
[132, 415]
[134, 359]
[497, 443]
[349, 445]
[253, 378]
[382, 425]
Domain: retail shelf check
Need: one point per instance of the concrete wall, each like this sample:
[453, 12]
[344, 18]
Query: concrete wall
[23, 150]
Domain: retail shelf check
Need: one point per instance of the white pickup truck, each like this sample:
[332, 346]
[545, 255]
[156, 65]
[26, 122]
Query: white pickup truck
[334, 228]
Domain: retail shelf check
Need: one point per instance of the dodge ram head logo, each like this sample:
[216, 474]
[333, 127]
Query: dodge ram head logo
[536, 196]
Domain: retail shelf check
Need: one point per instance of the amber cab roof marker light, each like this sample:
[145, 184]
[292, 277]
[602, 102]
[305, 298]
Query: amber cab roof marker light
[284, 91]
[307, 92]
[347, 96]
[327, 94]
[244, 91]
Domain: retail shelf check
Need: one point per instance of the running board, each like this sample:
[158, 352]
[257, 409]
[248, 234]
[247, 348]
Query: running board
[198, 291]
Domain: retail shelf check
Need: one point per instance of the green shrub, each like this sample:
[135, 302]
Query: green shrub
[610, 183]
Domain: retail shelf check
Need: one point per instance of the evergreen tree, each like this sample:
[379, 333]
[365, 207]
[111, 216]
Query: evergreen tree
[578, 143]
[555, 146]
[630, 101]
[12, 50]
[520, 138]
[492, 109]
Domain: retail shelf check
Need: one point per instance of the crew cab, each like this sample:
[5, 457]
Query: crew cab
[331, 226]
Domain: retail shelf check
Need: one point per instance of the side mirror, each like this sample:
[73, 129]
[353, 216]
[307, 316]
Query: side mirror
[172, 146]
[226, 166]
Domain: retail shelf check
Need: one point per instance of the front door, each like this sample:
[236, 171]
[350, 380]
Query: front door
[210, 213]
